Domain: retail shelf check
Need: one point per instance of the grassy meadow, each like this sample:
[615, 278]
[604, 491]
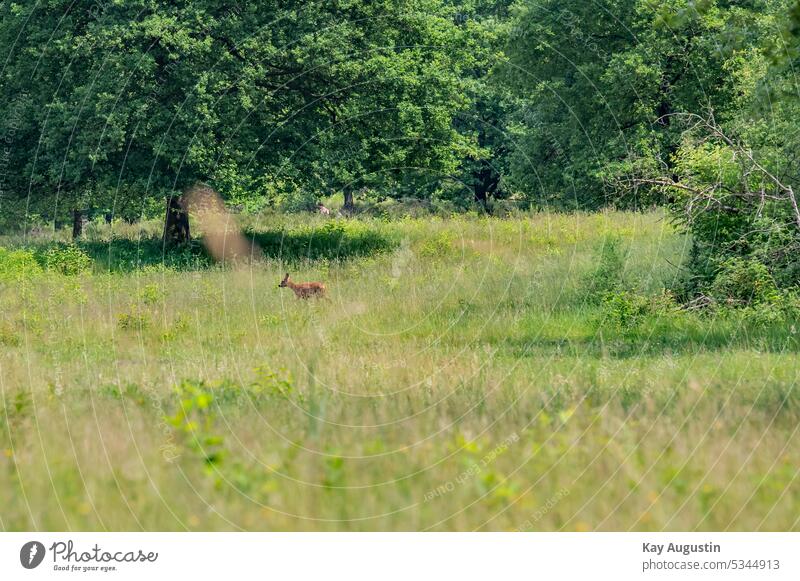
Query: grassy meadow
[527, 373]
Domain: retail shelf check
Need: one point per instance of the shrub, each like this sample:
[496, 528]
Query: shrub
[151, 294]
[8, 336]
[777, 308]
[438, 246]
[18, 264]
[66, 259]
[298, 201]
[742, 281]
[626, 310]
[270, 383]
[607, 277]
[133, 320]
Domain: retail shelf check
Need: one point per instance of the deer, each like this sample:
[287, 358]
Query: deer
[304, 290]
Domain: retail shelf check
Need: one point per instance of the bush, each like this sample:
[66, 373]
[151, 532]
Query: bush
[607, 277]
[18, 264]
[134, 319]
[299, 201]
[8, 335]
[66, 259]
[195, 421]
[626, 310]
[742, 281]
[779, 308]
[438, 246]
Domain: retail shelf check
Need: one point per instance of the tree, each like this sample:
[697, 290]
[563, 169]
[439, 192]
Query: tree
[143, 99]
[488, 23]
[733, 180]
[601, 80]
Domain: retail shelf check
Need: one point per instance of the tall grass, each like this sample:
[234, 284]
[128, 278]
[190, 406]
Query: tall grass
[463, 375]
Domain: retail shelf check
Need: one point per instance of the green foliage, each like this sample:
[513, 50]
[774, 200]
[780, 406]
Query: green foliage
[298, 201]
[334, 472]
[742, 282]
[15, 410]
[125, 102]
[607, 277]
[133, 320]
[738, 211]
[69, 260]
[335, 239]
[195, 420]
[130, 391]
[272, 384]
[125, 254]
[776, 311]
[151, 294]
[441, 245]
[625, 310]
[600, 86]
[17, 265]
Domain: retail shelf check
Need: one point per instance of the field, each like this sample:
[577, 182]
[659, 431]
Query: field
[527, 373]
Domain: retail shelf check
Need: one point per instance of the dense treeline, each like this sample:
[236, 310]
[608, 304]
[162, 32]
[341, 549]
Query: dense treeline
[687, 104]
[550, 103]
[137, 100]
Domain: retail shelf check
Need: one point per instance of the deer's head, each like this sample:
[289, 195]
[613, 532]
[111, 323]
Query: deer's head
[285, 282]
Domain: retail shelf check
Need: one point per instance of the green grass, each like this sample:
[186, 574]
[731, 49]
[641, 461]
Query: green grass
[463, 375]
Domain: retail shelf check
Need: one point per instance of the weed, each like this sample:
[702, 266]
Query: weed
[133, 319]
[151, 294]
[8, 335]
[195, 420]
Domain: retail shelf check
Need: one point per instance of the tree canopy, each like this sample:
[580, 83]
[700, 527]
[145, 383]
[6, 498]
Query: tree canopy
[690, 105]
[139, 99]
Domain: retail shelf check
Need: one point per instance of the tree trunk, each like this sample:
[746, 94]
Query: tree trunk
[486, 182]
[349, 207]
[77, 224]
[176, 223]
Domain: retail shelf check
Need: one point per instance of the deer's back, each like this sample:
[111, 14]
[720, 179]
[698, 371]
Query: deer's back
[309, 289]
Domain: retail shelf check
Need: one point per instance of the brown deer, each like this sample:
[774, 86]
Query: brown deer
[304, 290]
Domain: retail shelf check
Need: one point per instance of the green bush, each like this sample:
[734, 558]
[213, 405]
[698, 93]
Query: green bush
[440, 245]
[18, 264]
[742, 281]
[776, 309]
[298, 201]
[66, 259]
[625, 309]
[134, 319]
[608, 276]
